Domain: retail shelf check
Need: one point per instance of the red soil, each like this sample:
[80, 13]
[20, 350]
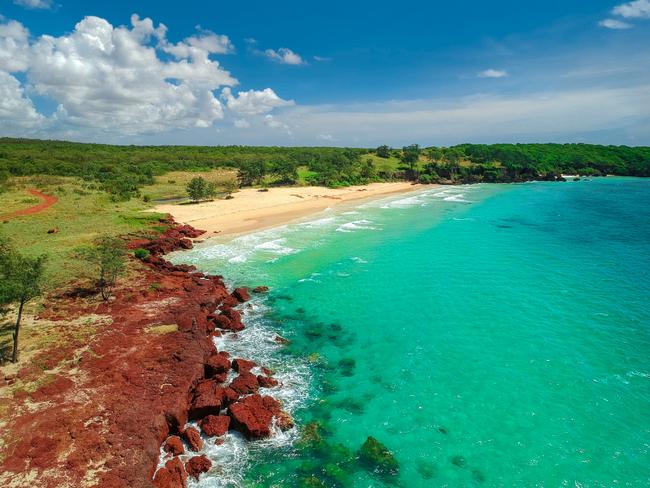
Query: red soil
[101, 420]
[47, 201]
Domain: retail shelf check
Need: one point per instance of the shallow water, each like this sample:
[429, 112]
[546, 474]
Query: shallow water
[488, 335]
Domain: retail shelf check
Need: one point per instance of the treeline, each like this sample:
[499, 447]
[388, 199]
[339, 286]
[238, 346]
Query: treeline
[122, 170]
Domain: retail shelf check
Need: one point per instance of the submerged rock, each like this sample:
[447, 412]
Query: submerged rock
[459, 461]
[376, 457]
[260, 289]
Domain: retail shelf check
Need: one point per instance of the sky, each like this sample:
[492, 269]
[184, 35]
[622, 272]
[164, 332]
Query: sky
[336, 73]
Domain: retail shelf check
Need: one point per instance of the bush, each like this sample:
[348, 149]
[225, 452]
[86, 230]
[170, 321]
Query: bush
[146, 198]
[141, 253]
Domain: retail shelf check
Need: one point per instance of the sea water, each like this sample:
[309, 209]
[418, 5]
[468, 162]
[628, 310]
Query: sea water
[487, 335]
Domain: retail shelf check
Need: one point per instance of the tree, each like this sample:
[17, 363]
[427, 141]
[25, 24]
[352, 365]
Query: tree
[410, 156]
[252, 172]
[435, 155]
[285, 170]
[383, 152]
[21, 280]
[108, 258]
[196, 188]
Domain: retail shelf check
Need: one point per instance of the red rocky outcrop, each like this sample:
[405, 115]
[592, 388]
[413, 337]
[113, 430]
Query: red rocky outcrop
[198, 465]
[253, 416]
[172, 475]
[267, 382]
[215, 425]
[241, 294]
[243, 365]
[193, 438]
[217, 364]
[174, 445]
[245, 383]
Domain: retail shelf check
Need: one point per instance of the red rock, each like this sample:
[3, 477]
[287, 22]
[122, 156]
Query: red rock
[198, 465]
[222, 322]
[245, 383]
[267, 382]
[207, 400]
[174, 445]
[235, 319]
[253, 416]
[243, 365]
[220, 378]
[241, 294]
[215, 425]
[216, 364]
[172, 475]
[260, 289]
[193, 439]
[230, 301]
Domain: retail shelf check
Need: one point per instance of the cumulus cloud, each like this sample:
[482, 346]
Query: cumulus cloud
[614, 24]
[117, 80]
[241, 123]
[253, 102]
[638, 9]
[34, 4]
[493, 73]
[16, 110]
[284, 55]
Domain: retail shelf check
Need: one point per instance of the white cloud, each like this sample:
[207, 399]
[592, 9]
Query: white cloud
[284, 55]
[114, 80]
[638, 9]
[16, 110]
[254, 102]
[493, 73]
[34, 4]
[241, 123]
[614, 24]
[321, 59]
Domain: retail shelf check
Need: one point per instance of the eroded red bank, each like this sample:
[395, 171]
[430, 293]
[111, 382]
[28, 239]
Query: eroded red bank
[134, 389]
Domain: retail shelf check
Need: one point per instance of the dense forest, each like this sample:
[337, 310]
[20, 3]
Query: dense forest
[121, 170]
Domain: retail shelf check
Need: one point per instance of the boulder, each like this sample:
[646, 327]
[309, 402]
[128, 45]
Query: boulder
[267, 382]
[207, 400]
[222, 322]
[245, 383]
[193, 439]
[253, 416]
[198, 465]
[215, 425]
[235, 319]
[281, 340]
[174, 445]
[216, 364]
[241, 294]
[243, 365]
[260, 289]
[172, 475]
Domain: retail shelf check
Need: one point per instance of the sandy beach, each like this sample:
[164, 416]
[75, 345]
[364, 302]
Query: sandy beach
[252, 210]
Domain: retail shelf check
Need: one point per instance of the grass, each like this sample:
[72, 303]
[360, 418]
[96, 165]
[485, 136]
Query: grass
[173, 185]
[81, 214]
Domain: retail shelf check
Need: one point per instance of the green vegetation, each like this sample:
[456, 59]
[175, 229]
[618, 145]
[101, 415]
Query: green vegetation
[198, 189]
[21, 280]
[131, 171]
[107, 257]
[377, 457]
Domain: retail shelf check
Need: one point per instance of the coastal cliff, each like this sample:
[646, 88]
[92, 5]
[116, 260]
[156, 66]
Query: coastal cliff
[113, 399]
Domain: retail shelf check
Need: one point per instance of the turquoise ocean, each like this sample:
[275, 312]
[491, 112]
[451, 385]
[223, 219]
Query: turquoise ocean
[488, 335]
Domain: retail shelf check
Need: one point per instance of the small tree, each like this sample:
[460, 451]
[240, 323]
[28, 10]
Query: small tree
[21, 280]
[383, 151]
[196, 189]
[108, 258]
[410, 156]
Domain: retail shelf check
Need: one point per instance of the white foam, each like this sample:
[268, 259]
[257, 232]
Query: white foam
[362, 224]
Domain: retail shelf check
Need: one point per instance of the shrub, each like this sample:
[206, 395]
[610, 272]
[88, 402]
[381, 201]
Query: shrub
[141, 253]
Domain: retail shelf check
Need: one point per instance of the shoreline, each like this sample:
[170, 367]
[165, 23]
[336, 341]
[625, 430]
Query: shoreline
[252, 210]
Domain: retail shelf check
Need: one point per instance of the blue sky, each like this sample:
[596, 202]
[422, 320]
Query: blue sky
[327, 73]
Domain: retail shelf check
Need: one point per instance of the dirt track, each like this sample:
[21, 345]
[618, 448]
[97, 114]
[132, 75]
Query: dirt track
[47, 201]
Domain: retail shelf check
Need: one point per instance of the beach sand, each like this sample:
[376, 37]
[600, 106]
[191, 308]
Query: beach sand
[251, 210]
